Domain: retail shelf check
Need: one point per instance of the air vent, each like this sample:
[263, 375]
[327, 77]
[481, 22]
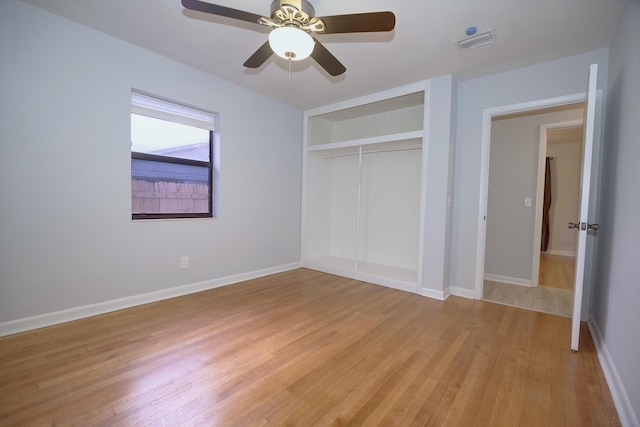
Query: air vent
[480, 39]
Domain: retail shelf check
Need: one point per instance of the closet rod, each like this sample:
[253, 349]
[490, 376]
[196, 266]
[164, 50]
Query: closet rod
[374, 151]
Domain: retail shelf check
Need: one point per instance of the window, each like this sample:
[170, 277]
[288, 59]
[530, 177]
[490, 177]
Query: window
[172, 159]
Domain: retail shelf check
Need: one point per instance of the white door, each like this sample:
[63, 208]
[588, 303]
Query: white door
[583, 224]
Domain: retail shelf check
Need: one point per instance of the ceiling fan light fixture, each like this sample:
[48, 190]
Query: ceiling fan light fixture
[291, 43]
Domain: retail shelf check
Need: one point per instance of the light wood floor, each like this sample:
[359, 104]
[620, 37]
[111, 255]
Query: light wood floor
[305, 348]
[557, 271]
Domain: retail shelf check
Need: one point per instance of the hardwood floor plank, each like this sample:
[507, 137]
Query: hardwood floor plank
[304, 348]
[510, 394]
[460, 409]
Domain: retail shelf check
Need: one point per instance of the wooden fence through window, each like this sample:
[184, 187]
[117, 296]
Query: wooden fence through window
[168, 197]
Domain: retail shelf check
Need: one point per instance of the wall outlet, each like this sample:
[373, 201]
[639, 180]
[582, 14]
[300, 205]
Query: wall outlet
[527, 202]
[184, 262]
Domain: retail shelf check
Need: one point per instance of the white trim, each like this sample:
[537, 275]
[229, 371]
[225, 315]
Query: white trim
[358, 210]
[537, 224]
[482, 201]
[507, 279]
[439, 295]
[462, 292]
[426, 124]
[618, 393]
[75, 313]
[537, 218]
[394, 137]
[368, 99]
[487, 114]
[154, 106]
[560, 253]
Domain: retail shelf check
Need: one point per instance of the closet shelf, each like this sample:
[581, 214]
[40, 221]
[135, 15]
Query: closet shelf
[395, 138]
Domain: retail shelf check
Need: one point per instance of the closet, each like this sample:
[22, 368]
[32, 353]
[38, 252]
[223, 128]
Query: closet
[363, 188]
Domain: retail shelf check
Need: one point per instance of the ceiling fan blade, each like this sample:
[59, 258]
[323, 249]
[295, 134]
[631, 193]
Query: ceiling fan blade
[214, 9]
[259, 57]
[359, 22]
[326, 60]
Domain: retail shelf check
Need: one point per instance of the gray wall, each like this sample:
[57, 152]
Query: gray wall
[66, 234]
[440, 144]
[616, 296]
[513, 175]
[565, 195]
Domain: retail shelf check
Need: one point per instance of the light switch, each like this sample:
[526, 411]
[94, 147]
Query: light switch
[527, 202]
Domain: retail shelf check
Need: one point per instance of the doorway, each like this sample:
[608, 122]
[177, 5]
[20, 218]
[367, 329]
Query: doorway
[561, 189]
[516, 270]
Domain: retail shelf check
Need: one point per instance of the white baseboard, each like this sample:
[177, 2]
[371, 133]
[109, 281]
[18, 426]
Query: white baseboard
[464, 293]
[439, 295]
[75, 313]
[506, 279]
[561, 253]
[618, 393]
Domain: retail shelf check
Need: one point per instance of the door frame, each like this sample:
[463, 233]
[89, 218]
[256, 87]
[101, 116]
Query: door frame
[487, 115]
[537, 223]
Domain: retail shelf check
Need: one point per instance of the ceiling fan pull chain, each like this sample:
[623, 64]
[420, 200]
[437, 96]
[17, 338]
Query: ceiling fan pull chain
[289, 70]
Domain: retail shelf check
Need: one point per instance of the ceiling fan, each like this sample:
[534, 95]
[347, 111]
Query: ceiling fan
[293, 24]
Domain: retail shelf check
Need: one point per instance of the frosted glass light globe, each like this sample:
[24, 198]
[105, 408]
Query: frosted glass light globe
[291, 43]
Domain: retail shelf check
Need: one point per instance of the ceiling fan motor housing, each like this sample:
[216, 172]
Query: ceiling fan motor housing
[295, 13]
[301, 5]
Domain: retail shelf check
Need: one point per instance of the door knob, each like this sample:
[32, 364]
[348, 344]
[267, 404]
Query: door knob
[594, 227]
[574, 225]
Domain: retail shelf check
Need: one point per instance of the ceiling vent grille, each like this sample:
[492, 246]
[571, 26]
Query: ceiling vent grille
[482, 38]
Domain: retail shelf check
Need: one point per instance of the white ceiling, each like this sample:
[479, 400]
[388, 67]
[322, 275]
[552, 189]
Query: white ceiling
[419, 48]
